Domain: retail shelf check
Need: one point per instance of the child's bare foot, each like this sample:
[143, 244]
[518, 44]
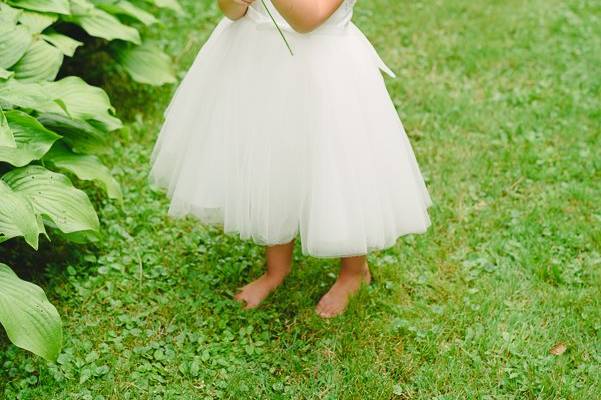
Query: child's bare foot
[279, 259]
[353, 272]
[256, 291]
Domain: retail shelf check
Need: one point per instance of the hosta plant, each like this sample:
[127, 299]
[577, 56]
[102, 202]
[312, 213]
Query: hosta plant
[53, 131]
[32, 47]
[30, 320]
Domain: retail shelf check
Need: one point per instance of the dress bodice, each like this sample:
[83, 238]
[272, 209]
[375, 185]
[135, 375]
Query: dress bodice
[340, 18]
[339, 23]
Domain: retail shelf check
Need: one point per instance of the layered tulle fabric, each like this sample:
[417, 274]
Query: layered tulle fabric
[270, 145]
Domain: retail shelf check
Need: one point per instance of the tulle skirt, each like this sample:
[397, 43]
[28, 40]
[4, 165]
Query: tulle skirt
[269, 145]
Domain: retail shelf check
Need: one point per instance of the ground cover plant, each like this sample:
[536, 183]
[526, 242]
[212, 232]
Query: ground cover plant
[499, 300]
[50, 126]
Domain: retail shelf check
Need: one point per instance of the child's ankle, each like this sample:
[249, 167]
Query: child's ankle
[277, 275]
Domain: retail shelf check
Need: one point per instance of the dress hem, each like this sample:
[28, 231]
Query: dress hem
[238, 235]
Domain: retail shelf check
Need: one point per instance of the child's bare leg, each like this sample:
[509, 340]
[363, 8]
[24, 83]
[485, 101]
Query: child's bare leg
[279, 264]
[353, 271]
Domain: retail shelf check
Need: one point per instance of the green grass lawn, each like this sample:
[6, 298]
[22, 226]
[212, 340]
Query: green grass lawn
[502, 102]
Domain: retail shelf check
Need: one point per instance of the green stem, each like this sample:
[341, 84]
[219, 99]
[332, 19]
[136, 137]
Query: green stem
[277, 27]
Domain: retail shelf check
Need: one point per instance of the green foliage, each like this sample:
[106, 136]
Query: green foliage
[7, 139]
[31, 139]
[80, 135]
[40, 62]
[33, 50]
[99, 23]
[84, 115]
[31, 322]
[84, 166]
[145, 64]
[14, 42]
[53, 196]
[18, 217]
[62, 42]
[59, 125]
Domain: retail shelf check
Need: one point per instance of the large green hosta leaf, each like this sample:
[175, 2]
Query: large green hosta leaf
[51, 6]
[9, 15]
[62, 42]
[30, 320]
[41, 62]
[70, 96]
[17, 217]
[85, 167]
[14, 42]
[7, 139]
[81, 136]
[123, 7]
[31, 138]
[5, 74]
[26, 95]
[172, 4]
[101, 24]
[53, 196]
[36, 22]
[82, 101]
[146, 64]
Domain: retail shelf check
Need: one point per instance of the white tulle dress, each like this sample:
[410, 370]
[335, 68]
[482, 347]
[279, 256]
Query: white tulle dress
[269, 145]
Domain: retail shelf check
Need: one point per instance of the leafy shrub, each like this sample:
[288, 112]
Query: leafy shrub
[48, 128]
